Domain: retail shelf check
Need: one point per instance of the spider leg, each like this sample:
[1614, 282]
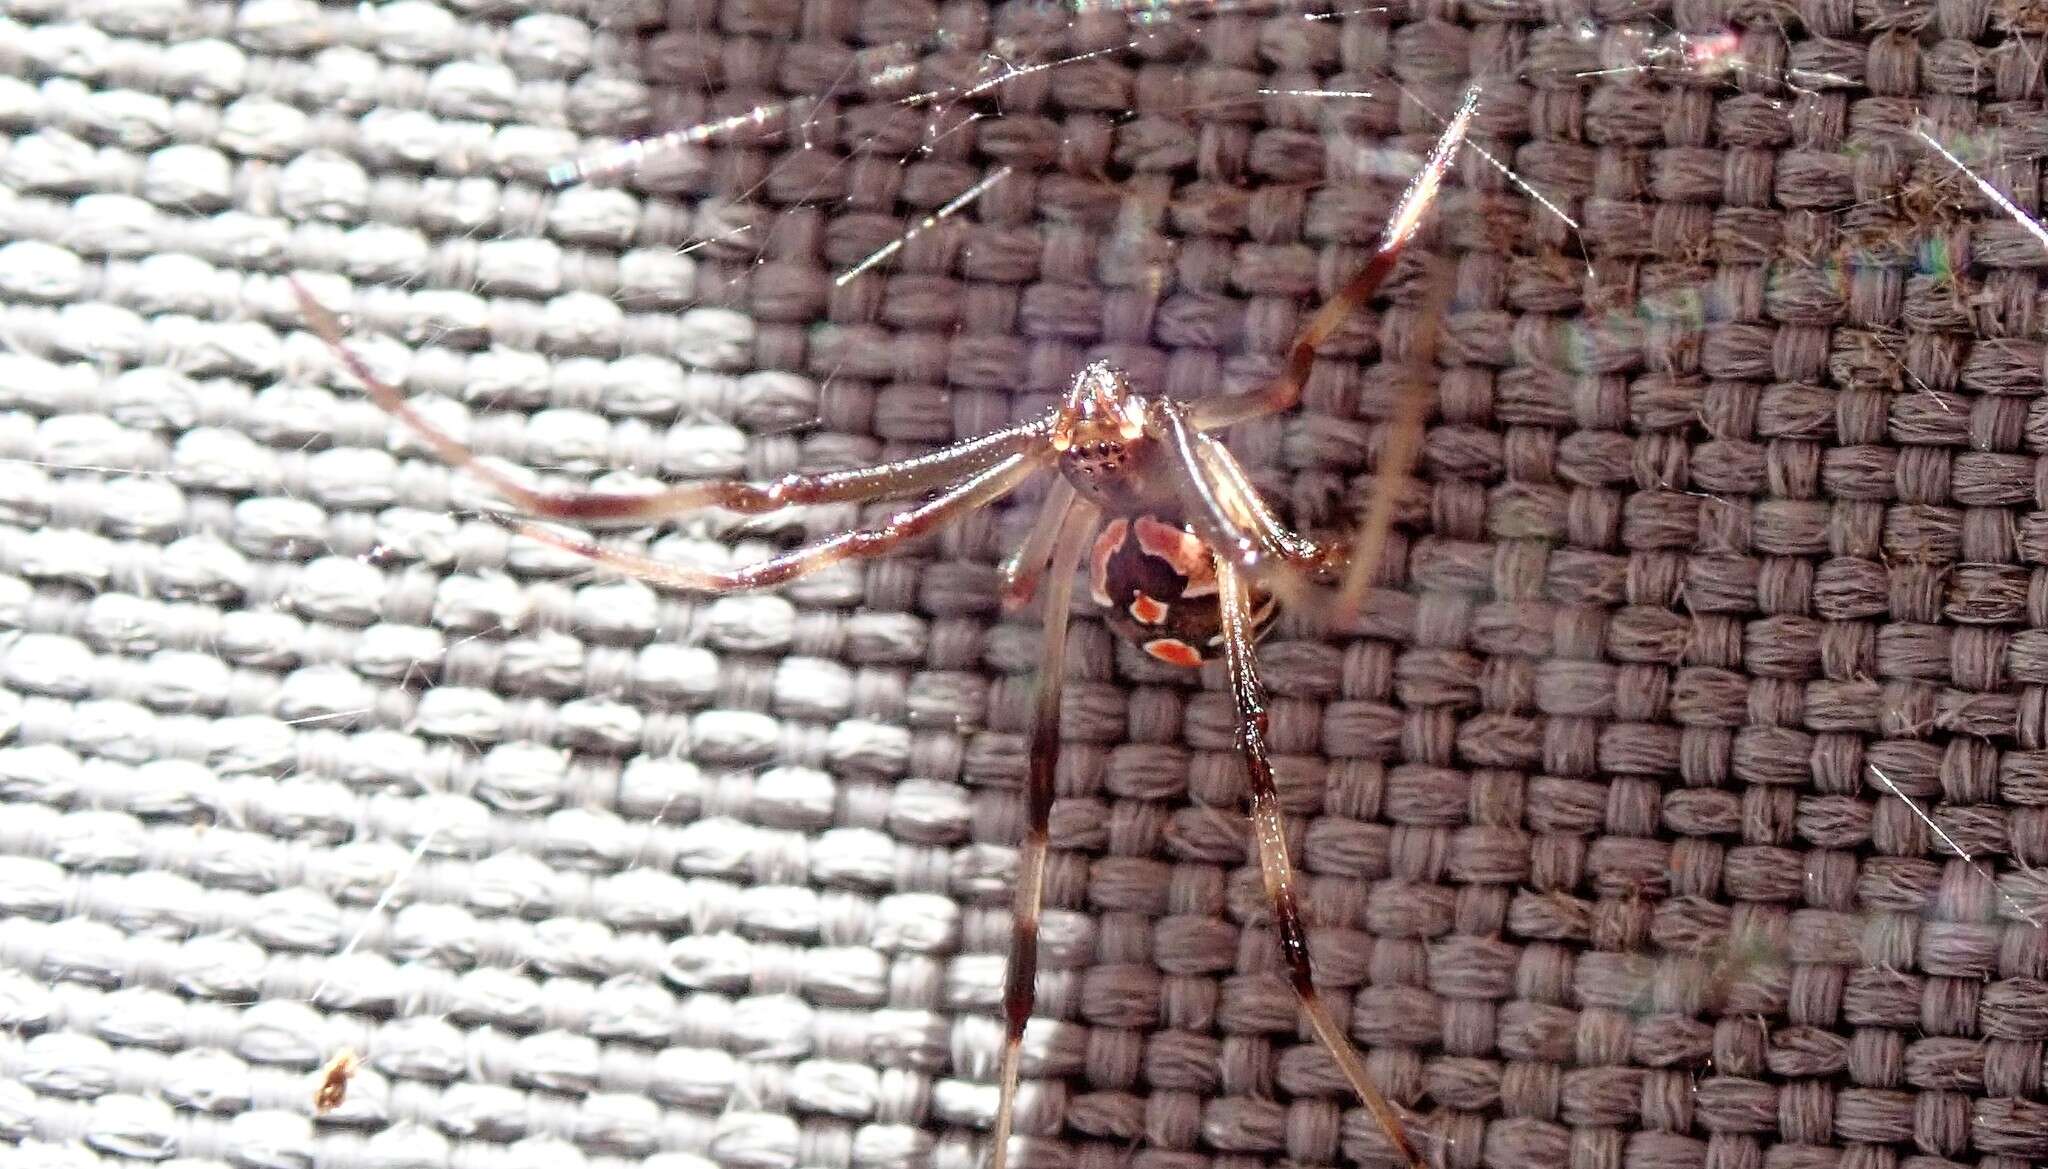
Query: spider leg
[1270, 833]
[1236, 486]
[983, 488]
[1022, 571]
[1020, 978]
[1222, 504]
[895, 480]
[1234, 531]
[1284, 391]
[1404, 436]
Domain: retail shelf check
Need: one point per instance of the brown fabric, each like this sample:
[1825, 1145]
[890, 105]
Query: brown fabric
[1677, 803]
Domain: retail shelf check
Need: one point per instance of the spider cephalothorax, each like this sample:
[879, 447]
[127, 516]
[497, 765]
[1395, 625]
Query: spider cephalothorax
[1104, 435]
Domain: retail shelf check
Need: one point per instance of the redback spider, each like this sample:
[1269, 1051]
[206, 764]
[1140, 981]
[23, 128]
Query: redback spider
[1187, 566]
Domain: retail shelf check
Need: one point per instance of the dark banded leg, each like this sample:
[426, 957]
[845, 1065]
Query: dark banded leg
[1284, 391]
[1020, 977]
[896, 480]
[984, 488]
[1270, 834]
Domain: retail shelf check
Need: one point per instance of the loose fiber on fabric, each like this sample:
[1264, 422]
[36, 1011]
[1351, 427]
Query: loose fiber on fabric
[1679, 801]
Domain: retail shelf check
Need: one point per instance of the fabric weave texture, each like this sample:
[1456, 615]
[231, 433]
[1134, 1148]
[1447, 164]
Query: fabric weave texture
[1678, 802]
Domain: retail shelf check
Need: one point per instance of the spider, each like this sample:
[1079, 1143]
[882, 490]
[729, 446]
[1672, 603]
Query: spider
[1180, 550]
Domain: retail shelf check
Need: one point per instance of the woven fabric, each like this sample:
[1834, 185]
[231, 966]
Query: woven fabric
[1675, 804]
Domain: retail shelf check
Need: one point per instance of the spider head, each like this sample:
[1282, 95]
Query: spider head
[1099, 433]
[1099, 407]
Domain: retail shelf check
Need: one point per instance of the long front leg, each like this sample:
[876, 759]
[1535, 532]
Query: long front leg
[1284, 391]
[983, 489]
[1020, 978]
[1269, 830]
[897, 480]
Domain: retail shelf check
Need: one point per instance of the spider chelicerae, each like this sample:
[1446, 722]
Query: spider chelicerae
[1185, 557]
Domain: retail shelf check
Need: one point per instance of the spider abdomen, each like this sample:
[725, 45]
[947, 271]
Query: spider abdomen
[1156, 581]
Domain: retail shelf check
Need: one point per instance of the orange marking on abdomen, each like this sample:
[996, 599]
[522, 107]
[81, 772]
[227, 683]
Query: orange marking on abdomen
[1180, 548]
[1174, 652]
[1147, 610]
[1106, 543]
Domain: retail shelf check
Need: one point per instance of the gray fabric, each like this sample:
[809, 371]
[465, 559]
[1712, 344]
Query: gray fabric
[1678, 805]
